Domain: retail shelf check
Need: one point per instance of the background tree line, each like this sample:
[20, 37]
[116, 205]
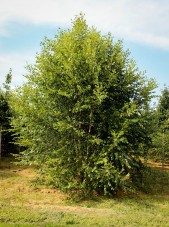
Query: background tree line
[6, 138]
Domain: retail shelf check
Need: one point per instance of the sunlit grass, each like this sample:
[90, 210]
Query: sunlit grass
[23, 203]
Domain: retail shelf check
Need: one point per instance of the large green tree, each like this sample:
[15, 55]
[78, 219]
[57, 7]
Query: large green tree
[82, 112]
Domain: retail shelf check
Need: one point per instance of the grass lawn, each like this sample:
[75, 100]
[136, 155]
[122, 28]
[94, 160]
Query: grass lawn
[23, 203]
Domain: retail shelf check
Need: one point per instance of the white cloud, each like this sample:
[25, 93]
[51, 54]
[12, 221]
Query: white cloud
[143, 21]
[18, 63]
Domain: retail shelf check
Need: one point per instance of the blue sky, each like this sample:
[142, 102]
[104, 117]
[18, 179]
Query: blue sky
[141, 24]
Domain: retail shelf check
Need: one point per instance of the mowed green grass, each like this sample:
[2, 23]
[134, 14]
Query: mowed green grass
[23, 203]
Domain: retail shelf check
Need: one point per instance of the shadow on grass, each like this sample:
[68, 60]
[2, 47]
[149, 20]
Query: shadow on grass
[8, 168]
[155, 181]
[4, 175]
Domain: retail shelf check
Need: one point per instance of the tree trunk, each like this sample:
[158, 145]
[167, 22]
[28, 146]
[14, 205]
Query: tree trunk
[163, 152]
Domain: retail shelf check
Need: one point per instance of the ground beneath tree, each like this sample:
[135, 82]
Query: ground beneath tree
[19, 191]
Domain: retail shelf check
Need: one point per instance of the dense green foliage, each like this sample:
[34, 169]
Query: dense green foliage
[5, 114]
[163, 106]
[161, 136]
[82, 114]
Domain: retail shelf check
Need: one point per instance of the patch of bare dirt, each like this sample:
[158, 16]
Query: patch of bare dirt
[158, 165]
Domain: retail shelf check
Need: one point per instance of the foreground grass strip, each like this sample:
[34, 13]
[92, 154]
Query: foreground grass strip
[121, 212]
[22, 204]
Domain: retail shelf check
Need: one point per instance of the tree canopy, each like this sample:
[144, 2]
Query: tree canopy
[82, 114]
[163, 105]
